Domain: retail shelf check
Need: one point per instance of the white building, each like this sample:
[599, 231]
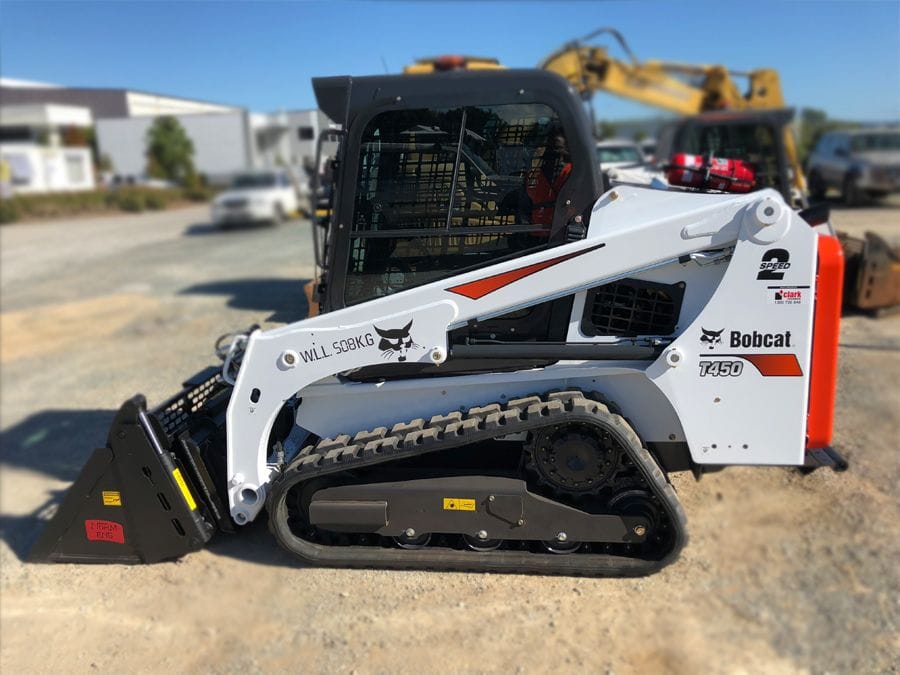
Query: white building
[32, 151]
[224, 143]
[227, 139]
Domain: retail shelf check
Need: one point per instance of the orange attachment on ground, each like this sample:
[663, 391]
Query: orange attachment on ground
[826, 331]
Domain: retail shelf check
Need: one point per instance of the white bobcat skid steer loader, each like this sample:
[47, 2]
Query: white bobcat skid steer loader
[508, 363]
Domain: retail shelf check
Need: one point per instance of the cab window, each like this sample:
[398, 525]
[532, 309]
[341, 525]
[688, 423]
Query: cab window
[443, 190]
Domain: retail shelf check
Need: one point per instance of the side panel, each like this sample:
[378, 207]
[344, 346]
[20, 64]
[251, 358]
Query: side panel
[327, 407]
[700, 283]
[739, 374]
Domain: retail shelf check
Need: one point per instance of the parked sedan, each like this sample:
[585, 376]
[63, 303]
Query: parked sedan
[862, 164]
[619, 154]
[259, 196]
[623, 161]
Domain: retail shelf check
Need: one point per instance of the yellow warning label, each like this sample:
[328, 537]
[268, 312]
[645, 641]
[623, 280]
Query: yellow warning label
[451, 504]
[184, 489]
[112, 498]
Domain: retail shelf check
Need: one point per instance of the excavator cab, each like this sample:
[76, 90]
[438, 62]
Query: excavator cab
[451, 172]
[754, 136]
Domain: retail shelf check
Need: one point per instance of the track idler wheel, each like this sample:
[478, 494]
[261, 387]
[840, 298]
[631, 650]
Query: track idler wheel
[411, 540]
[481, 545]
[561, 547]
[574, 458]
[637, 503]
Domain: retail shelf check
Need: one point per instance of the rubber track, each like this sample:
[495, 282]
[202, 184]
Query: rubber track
[405, 440]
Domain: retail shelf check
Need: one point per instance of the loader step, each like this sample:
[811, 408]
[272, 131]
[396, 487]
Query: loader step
[826, 457]
[313, 475]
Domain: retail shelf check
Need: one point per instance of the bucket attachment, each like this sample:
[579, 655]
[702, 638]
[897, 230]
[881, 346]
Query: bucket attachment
[872, 279]
[135, 501]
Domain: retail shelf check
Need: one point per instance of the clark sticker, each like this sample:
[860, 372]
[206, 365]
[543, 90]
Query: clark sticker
[788, 295]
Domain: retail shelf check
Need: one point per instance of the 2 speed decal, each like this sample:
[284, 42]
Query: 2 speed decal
[773, 265]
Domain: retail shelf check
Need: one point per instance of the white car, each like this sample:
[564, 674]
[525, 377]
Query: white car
[623, 162]
[619, 154]
[258, 196]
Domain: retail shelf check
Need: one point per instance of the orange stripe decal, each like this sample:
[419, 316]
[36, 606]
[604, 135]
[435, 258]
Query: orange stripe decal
[476, 290]
[775, 365]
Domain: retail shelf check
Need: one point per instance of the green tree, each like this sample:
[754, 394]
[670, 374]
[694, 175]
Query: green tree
[104, 163]
[813, 123]
[170, 151]
[640, 135]
[607, 130]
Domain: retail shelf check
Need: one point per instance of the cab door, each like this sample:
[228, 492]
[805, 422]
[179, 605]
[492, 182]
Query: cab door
[441, 191]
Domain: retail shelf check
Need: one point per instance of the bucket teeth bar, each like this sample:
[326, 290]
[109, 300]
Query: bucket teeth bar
[134, 501]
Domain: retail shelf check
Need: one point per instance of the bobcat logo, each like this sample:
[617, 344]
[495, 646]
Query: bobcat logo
[711, 337]
[396, 341]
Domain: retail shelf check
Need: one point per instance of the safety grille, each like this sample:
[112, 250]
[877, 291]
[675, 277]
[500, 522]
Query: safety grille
[176, 413]
[632, 307]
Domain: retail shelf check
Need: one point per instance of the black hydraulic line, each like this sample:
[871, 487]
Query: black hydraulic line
[559, 352]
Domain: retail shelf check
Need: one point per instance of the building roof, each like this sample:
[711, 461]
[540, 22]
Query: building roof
[44, 115]
[105, 102]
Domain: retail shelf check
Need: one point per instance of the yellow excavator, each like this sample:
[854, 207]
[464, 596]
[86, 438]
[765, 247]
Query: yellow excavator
[750, 122]
[682, 88]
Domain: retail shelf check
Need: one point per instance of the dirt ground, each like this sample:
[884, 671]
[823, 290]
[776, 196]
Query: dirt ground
[783, 573]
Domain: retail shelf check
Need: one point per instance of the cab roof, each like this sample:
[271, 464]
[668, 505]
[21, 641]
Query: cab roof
[345, 96]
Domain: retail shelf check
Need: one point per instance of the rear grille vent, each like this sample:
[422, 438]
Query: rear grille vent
[632, 307]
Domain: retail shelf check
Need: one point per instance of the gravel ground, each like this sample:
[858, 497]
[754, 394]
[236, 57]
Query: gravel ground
[783, 573]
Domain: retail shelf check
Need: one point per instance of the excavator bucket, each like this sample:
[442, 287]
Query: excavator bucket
[149, 495]
[872, 279]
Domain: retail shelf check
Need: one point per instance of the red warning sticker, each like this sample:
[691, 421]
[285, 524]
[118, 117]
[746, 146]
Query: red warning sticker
[104, 530]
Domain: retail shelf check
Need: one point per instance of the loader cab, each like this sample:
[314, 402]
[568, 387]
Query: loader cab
[444, 173]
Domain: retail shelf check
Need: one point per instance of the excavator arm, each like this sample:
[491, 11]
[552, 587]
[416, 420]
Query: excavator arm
[686, 89]
[682, 88]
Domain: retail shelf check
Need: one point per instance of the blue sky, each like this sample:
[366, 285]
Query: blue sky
[843, 57]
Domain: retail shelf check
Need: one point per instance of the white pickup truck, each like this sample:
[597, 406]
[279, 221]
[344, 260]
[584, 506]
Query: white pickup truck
[258, 196]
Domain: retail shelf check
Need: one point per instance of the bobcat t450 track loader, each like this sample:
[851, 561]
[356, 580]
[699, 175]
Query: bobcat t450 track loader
[508, 363]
